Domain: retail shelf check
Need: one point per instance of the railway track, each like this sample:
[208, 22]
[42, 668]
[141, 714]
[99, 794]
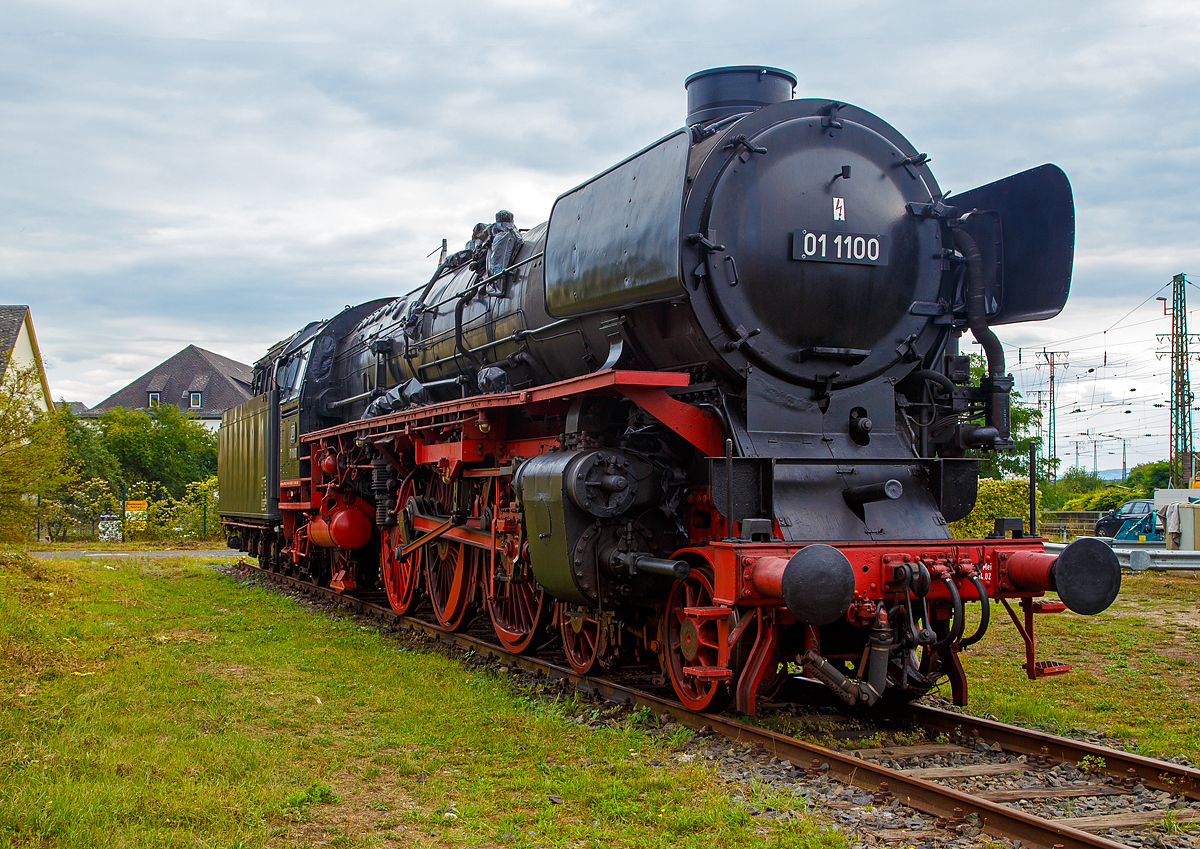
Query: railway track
[963, 776]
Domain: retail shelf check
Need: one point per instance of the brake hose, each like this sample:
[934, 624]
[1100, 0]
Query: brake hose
[913, 633]
[957, 619]
[898, 646]
[985, 612]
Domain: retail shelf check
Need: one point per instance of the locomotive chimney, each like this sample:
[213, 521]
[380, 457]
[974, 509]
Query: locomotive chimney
[720, 92]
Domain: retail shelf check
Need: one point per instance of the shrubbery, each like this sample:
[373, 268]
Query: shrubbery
[1078, 489]
[998, 499]
[194, 516]
[1102, 499]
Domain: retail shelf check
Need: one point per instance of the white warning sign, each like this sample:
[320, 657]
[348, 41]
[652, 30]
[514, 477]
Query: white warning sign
[839, 209]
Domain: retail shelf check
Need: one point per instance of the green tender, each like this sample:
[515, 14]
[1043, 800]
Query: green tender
[243, 449]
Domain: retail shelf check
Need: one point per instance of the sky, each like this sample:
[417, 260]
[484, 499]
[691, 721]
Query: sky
[220, 173]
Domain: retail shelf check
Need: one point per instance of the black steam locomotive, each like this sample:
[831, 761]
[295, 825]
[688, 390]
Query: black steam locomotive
[712, 415]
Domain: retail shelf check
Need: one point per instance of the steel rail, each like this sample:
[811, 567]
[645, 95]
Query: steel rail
[926, 796]
[1158, 775]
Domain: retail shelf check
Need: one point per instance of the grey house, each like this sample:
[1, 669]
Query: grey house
[194, 380]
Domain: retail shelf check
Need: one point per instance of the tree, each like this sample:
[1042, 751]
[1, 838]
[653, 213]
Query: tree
[1024, 422]
[34, 454]
[1150, 476]
[161, 446]
[1072, 484]
[89, 456]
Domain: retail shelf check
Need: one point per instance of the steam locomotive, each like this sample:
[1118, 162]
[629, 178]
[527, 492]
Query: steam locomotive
[712, 416]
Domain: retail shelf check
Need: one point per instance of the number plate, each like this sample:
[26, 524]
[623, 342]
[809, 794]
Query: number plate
[854, 248]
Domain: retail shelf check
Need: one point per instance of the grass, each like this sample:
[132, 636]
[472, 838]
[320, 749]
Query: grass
[161, 704]
[1135, 675]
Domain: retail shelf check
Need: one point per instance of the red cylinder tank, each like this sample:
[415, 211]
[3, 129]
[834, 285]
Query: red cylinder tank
[318, 532]
[350, 528]
[345, 528]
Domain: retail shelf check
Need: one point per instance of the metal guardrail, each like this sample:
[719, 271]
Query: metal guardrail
[1152, 559]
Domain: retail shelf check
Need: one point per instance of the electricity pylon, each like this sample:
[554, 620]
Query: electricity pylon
[1182, 460]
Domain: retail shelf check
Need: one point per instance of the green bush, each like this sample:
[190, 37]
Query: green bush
[998, 499]
[1073, 483]
[1101, 499]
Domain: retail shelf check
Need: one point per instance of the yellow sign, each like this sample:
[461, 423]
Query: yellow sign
[135, 506]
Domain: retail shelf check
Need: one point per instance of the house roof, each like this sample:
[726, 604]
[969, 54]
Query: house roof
[12, 318]
[222, 382]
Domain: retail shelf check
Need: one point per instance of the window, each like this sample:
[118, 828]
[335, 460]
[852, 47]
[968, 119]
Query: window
[153, 402]
[195, 400]
[290, 375]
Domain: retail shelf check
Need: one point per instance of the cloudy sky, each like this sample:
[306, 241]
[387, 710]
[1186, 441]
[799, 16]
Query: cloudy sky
[220, 173]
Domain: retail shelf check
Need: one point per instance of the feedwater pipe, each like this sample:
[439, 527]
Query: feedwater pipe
[935, 377]
[977, 304]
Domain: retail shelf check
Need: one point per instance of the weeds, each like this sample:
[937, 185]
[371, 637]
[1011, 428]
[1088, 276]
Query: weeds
[318, 792]
[1172, 824]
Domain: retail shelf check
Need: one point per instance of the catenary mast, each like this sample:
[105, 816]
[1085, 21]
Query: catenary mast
[1182, 459]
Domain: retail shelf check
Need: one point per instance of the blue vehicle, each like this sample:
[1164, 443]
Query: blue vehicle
[1140, 529]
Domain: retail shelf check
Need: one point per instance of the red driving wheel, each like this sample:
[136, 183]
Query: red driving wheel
[449, 575]
[401, 575]
[517, 604]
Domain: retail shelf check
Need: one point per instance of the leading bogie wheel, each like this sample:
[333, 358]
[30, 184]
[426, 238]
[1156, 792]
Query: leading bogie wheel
[583, 637]
[692, 647]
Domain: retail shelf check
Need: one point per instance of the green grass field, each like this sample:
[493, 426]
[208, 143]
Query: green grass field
[159, 703]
